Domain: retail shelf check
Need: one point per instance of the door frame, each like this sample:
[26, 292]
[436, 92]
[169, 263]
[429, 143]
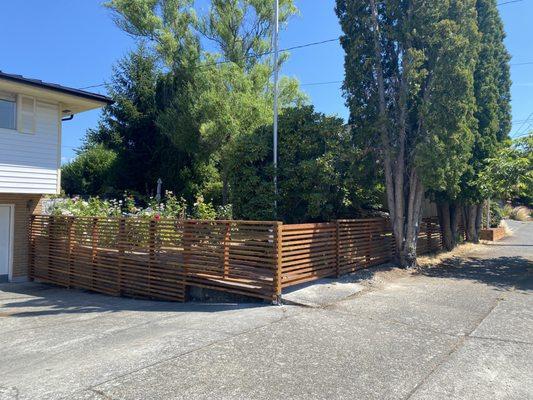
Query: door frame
[11, 244]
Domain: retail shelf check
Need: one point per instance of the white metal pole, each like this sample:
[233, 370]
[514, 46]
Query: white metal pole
[276, 93]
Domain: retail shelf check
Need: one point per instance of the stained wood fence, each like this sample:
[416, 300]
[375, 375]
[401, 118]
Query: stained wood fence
[161, 258]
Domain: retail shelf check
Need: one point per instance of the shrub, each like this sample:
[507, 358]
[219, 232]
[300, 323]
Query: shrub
[520, 213]
[496, 215]
[170, 207]
[507, 210]
[203, 210]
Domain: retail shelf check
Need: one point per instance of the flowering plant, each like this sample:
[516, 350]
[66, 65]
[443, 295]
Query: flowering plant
[170, 207]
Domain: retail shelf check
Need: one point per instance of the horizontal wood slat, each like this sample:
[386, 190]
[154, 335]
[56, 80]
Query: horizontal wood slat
[160, 258]
[314, 251]
[154, 258]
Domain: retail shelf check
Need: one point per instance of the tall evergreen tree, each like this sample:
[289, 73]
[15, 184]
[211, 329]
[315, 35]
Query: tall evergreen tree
[492, 90]
[410, 84]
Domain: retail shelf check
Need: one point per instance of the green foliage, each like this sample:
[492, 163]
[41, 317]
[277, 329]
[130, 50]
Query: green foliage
[492, 90]
[170, 207]
[320, 174]
[93, 207]
[203, 210]
[428, 62]
[90, 172]
[178, 110]
[509, 174]
[128, 127]
[496, 215]
[447, 115]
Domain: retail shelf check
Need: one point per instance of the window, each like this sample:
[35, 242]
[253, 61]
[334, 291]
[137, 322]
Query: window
[26, 114]
[8, 111]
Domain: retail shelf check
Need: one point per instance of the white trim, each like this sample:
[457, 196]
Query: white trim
[59, 140]
[11, 240]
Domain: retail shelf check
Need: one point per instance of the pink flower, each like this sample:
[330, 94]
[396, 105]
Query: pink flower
[157, 217]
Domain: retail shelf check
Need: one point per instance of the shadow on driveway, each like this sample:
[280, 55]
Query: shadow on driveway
[503, 273]
[37, 299]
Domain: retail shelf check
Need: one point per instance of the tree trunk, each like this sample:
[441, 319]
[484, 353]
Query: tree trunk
[403, 187]
[454, 223]
[479, 219]
[449, 224]
[444, 213]
[472, 222]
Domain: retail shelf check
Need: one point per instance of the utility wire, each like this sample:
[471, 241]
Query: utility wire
[297, 47]
[508, 2]
[301, 47]
[520, 136]
[524, 123]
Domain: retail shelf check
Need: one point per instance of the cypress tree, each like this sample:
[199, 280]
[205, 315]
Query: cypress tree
[409, 84]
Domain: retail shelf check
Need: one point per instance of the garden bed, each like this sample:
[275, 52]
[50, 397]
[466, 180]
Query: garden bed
[492, 234]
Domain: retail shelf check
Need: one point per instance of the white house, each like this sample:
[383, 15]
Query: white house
[31, 114]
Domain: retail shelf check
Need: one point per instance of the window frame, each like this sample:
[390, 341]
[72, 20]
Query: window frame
[21, 112]
[13, 98]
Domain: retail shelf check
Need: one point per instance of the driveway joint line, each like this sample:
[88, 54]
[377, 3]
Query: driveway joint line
[459, 344]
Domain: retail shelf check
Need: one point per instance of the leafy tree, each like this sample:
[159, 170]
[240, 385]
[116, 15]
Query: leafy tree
[509, 175]
[217, 85]
[90, 172]
[320, 171]
[409, 83]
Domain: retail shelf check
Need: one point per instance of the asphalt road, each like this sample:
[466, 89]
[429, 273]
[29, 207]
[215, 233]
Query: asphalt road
[460, 331]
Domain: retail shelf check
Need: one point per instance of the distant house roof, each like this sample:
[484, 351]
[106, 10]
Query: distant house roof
[55, 87]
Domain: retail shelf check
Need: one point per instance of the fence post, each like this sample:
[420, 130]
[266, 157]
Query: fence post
[338, 249]
[368, 253]
[94, 250]
[51, 225]
[31, 253]
[187, 250]
[121, 251]
[227, 239]
[70, 224]
[152, 250]
[278, 246]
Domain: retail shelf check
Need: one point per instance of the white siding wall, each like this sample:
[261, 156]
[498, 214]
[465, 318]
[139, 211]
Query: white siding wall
[29, 162]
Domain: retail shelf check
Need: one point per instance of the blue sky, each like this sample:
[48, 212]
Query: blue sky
[75, 43]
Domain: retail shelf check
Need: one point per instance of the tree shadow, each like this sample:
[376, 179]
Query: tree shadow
[503, 273]
[39, 299]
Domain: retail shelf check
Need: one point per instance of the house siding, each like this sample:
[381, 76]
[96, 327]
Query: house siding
[30, 162]
[25, 206]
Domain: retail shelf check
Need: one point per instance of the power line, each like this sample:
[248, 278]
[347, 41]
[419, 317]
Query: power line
[508, 2]
[522, 63]
[320, 83]
[301, 46]
[524, 123]
[297, 47]
[520, 136]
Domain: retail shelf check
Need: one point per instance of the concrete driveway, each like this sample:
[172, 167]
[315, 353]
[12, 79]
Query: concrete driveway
[460, 331]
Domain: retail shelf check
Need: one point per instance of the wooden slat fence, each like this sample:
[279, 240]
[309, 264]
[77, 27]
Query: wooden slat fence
[160, 258]
[154, 259]
[314, 251]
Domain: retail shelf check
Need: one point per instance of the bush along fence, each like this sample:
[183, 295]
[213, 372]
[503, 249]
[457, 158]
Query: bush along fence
[159, 259]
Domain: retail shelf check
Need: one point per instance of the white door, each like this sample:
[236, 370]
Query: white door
[5, 241]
